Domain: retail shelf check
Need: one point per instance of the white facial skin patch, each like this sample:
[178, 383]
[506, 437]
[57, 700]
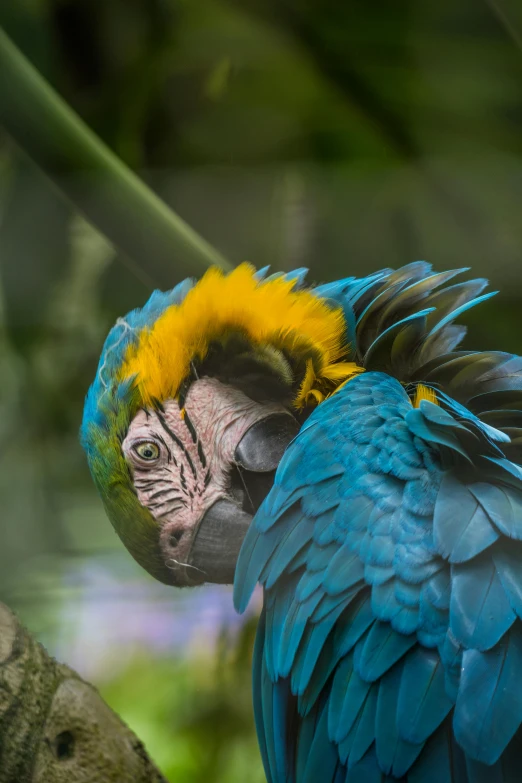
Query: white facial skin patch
[181, 459]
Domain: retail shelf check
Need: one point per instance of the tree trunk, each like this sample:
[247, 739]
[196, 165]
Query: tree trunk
[54, 727]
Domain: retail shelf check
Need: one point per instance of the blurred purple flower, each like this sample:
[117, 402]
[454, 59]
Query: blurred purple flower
[109, 617]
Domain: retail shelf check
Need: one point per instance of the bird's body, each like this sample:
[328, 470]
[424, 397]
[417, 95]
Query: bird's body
[390, 544]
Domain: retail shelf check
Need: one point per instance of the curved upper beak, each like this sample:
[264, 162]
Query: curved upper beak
[220, 533]
[218, 540]
[262, 446]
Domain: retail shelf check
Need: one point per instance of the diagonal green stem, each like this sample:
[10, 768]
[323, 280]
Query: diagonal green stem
[95, 180]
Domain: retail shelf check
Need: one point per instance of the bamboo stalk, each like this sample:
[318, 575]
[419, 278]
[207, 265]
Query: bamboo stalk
[99, 185]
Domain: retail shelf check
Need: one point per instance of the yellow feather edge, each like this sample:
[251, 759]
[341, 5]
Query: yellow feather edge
[424, 393]
[267, 312]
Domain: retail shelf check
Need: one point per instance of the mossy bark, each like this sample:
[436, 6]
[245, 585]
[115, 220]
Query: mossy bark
[54, 727]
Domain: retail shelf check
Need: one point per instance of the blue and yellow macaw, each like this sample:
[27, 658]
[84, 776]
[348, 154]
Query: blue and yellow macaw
[371, 475]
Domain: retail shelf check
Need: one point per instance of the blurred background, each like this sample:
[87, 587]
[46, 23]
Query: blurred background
[342, 136]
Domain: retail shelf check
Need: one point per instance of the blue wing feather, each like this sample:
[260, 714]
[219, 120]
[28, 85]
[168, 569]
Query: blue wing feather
[344, 570]
[488, 711]
[324, 668]
[441, 760]
[507, 558]
[258, 665]
[323, 758]
[367, 770]
[356, 622]
[279, 604]
[274, 708]
[422, 703]
[461, 526]
[395, 755]
[313, 643]
[364, 731]
[297, 537]
[352, 694]
[379, 650]
[480, 613]
[391, 588]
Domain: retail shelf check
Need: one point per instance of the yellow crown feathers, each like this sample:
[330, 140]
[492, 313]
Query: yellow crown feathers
[267, 312]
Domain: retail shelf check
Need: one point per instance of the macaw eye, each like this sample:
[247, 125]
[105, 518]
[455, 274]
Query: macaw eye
[147, 450]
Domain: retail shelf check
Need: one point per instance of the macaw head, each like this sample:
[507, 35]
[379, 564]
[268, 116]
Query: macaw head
[196, 397]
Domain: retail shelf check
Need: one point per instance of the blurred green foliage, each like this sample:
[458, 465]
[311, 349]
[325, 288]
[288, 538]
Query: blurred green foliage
[195, 716]
[339, 136]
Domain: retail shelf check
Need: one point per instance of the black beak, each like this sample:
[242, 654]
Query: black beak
[216, 546]
[263, 445]
[218, 540]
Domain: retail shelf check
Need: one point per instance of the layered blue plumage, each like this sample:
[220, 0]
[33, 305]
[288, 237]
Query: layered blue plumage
[390, 552]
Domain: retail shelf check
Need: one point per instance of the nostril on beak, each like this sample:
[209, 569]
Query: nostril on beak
[264, 443]
[175, 538]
